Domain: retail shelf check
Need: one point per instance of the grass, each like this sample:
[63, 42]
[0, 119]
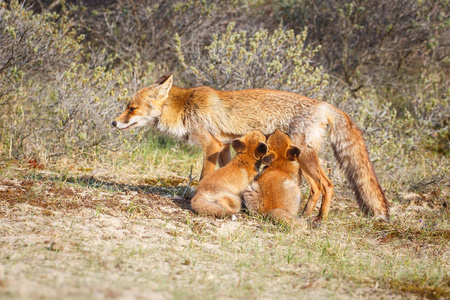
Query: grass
[161, 153]
[73, 233]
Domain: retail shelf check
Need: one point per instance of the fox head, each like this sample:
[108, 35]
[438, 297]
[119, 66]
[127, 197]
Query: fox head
[280, 147]
[144, 108]
[253, 143]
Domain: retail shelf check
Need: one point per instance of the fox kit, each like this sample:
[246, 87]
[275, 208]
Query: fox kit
[212, 119]
[276, 193]
[218, 194]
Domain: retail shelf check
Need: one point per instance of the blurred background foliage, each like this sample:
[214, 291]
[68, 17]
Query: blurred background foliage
[68, 67]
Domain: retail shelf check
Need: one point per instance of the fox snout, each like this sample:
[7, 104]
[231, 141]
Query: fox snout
[114, 123]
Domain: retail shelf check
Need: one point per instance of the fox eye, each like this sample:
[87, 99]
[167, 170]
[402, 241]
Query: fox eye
[132, 108]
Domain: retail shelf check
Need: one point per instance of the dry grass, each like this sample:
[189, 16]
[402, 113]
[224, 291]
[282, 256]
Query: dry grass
[102, 233]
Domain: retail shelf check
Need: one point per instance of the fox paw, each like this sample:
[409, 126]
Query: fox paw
[314, 222]
[251, 196]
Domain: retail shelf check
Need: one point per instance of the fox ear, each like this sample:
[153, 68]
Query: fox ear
[292, 152]
[239, 145]
[268, 159]
[164, 84]
[162, 79]
[261, 150]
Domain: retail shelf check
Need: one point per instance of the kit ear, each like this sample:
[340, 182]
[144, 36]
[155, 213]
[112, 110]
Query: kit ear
[261, 150]
[163, 85]
[292, 152]
[239, 145]
[268, 159]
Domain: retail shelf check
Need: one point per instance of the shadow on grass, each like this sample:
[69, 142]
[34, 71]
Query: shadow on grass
[385, 232]
[422, 290]
[178, 190]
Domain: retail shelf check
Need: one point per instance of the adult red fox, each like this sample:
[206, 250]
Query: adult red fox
[276, 193]
[219, 193]
[212, 119]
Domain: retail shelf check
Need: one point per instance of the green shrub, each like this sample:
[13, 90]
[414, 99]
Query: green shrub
[33, 45]
[53, 104]
[279, 60]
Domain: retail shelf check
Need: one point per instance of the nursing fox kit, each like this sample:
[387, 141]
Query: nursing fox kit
[212, 119]
[276, 193]
[219, 193]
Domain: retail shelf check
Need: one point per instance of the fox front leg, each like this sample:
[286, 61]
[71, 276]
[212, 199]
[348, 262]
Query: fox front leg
[211, 149]
[224, 155]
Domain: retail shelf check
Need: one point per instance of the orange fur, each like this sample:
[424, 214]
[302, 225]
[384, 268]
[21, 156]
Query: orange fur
[276, 192]
[218, 194]
[211, 119]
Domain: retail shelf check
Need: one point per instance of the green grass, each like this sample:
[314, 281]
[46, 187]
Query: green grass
[161, 152]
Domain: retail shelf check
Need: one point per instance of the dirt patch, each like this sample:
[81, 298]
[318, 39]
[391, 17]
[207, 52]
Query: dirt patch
[54, 196]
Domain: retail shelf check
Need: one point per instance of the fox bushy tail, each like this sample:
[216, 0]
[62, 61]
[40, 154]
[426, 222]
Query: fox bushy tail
[351, 153]
[205, 207]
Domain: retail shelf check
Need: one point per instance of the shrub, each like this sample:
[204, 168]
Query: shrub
[398, 146]
[278, 60]
[142, 31]
[396, 49]
[364, 38]
[33, 45]
[53, 104]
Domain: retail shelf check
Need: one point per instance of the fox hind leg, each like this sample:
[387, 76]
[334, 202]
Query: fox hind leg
[314, 194]
[284, 217]
[231, 203]
[220, 209]
[319, 182]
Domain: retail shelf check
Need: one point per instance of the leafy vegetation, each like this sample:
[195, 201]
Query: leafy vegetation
[280, 60]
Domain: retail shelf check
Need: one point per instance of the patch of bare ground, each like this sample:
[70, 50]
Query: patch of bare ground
[87, 235]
